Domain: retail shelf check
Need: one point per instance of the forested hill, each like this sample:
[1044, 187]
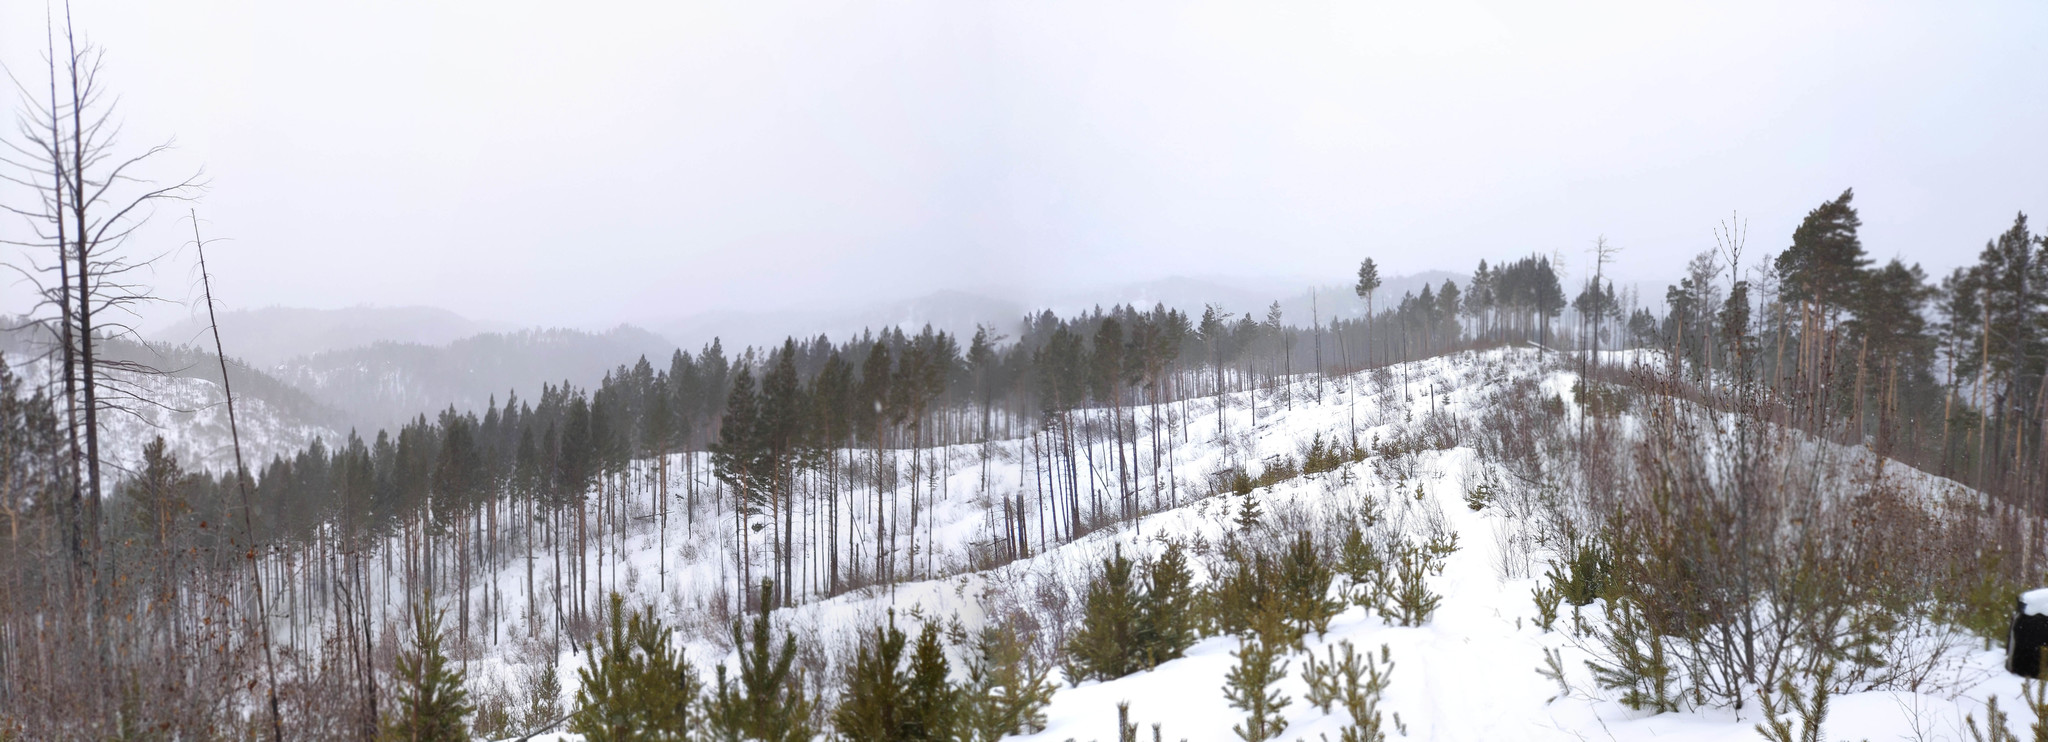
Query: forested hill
[268, 336]
[386, 383]
[155, 389]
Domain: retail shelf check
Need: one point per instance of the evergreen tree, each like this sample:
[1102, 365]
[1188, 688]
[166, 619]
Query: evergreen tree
[931, 702]
[543, 699]
[1249, 687]
[767, 702]
[1107, 646]
[1170, 613]
[637, 687]
[2012, 283]
[1006, 690]
[432, 703]
[1825, 262]
[1305, 584]
[1368, 284]
[1890, 322]
[872, 709]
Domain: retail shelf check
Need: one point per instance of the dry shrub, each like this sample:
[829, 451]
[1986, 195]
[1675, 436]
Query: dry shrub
[1766, 556]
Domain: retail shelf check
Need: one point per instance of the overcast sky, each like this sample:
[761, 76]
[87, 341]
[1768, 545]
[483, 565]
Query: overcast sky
[586, 163]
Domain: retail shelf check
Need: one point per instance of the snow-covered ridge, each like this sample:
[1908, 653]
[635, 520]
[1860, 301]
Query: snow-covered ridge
[191, 415]
[1471, 673]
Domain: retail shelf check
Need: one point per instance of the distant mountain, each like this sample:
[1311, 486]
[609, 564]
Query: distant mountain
[386, 383]
[271, 335]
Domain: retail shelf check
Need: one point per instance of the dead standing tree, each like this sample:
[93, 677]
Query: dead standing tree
[83, 198]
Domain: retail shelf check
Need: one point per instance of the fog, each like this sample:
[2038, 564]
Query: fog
[590, 163]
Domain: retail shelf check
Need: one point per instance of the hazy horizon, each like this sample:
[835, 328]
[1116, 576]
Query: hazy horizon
[538, 165]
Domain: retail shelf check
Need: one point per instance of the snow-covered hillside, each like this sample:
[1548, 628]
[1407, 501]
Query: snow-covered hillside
[1472, 672]
[190, 414]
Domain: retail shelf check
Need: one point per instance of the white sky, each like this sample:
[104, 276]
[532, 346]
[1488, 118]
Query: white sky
[593, 162]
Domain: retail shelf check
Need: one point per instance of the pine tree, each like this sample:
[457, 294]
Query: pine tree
[1825, 262]
[1368, 284]
[1249, 512]
[931, 702]
[1639, 667]
[637, 687]
[767, 701]
[1106, 646]
[1006, 690]
[1169, 612]
[1261, 664]
[432, 703]
[1305, 583]
[543, 700]
[872, 709]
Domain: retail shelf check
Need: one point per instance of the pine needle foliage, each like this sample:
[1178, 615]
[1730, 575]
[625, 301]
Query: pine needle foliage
[889, 702]
[432, 703]
[1006, 690]
[1365, 570]
[1810, 712]
[1261, 664]
[1107, 645]
[1995, 729]
[1305, 584]
[1322, 456]
[1410, 601]
[638, 686]
[1546, 599]
[1635, 662]
[2033, 692]
[1365, 679]
[543, 699]
[766, 702]
[876, 686]
[1248, 512]
[1587, 575]
[1245, 592]
[932, 702]
[1170, 607]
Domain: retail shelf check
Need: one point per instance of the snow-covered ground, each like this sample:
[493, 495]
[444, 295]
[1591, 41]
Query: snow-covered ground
[191, 416]
[1470, 673]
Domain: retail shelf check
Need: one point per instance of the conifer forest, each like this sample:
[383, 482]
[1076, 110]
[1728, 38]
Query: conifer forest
[1797, 486]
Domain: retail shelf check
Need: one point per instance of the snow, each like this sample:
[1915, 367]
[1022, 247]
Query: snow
[1471, 673]
[2035, 602]
[189, 414]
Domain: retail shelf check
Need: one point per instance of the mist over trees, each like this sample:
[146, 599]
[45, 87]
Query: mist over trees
[297, 597]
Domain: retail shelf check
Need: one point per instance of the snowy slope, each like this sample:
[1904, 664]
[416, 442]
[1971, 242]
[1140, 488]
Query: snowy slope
[1469, 674]
[190, 415]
